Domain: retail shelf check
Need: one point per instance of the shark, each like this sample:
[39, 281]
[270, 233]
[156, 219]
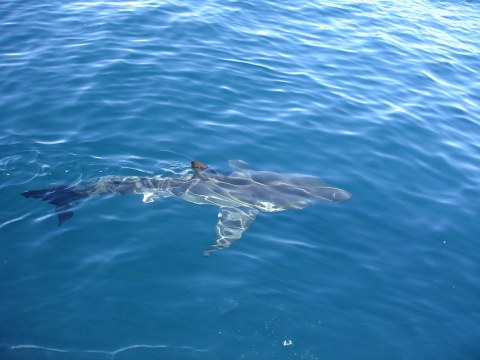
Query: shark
[241, 194]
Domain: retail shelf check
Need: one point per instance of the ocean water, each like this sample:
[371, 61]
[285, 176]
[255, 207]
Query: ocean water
[381, 98]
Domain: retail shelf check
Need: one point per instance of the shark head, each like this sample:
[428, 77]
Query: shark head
[315, 189]
[293, 191]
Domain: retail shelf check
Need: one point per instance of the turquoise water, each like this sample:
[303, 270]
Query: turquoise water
[379, 98]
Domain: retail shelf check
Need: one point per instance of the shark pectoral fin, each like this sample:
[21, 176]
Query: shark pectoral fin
[232, 223]
[239, 165]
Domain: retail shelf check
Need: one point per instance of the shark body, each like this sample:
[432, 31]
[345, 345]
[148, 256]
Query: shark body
[241, 195]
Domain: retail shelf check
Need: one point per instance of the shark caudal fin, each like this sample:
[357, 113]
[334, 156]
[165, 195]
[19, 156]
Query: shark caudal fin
[61, 196]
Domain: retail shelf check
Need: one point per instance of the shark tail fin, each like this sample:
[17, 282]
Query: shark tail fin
[61, 196]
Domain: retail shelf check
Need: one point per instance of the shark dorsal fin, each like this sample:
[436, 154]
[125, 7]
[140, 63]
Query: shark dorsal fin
[239, 165]
[198, 166]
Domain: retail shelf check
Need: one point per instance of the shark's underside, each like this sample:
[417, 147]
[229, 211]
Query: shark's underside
[240, 195]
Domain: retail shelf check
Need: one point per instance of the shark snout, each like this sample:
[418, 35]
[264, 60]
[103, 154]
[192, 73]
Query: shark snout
[340, 195]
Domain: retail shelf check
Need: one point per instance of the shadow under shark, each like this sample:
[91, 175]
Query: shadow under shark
[240, 195]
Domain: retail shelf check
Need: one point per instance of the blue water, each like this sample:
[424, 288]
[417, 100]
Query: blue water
[379, 98]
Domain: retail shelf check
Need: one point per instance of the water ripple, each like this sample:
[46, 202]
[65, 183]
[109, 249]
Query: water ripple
[28, 349]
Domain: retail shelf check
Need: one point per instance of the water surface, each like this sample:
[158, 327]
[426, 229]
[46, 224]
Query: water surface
[379, 98]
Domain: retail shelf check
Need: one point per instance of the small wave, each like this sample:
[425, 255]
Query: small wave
[111, 354]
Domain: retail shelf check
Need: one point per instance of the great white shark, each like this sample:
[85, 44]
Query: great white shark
[241, 195]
